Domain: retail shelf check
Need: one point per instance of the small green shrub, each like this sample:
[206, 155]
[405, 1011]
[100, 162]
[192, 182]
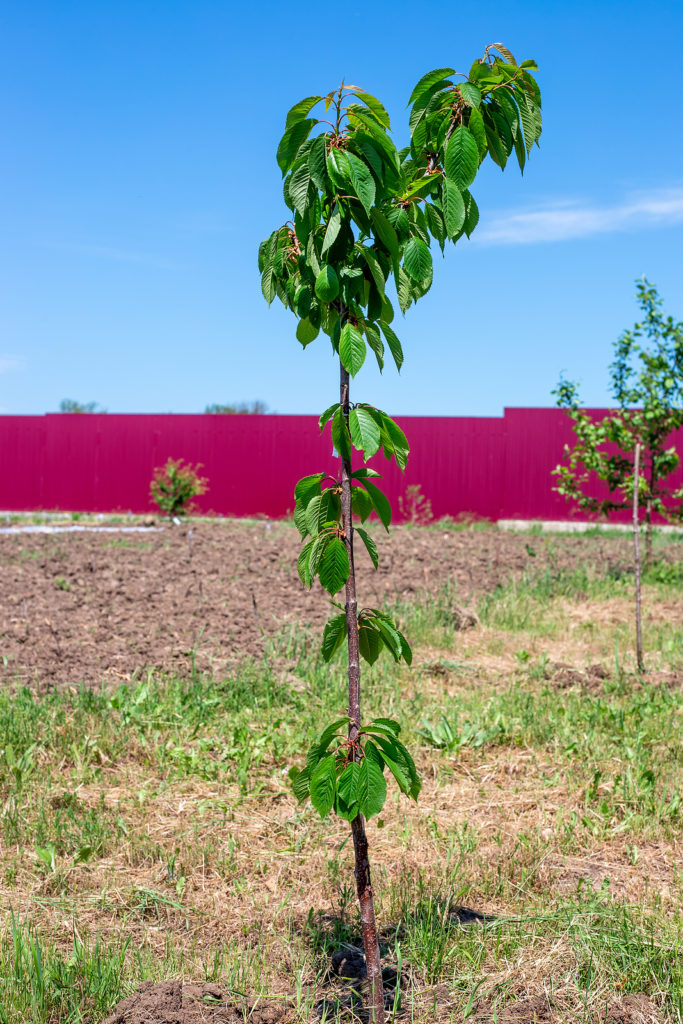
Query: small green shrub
[175, 485]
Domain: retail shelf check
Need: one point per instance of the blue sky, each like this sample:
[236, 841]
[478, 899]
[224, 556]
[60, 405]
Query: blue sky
[139, 175]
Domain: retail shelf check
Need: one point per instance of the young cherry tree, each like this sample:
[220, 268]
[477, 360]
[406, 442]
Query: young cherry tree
[365, 215]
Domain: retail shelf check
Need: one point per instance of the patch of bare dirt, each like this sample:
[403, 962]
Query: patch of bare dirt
[172, 1002]
[96, 607]
[633, 1009]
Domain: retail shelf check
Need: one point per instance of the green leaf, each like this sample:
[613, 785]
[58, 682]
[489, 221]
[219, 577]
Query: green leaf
[334, 567]
[385, 723]
[376, 107]
[369, 544]
[302, 564]
[470, 94]
[306, 332]
[333, 636]
[327, 284]
[364, 432]
[361, 503]
[362, 180]
[393, 343]
[471, 213]
[291, 142]
[374, 267]
[385, 232]
[300, 782]
[317, 163]
[428, 80]
[398, 440]
[341, 438]
[478, 131]
[370, 642]
[352, 349]
[308, 487]
[406, 650]
[268, 284]
[323, 785]
[380, 503]
[347, 784]
[417, 259]
[364, 472]
[332, 229]
[299, 111]
[375, 343]
[462, 158]
[302, 300]
[327, 415]
[330, 731]
[321, 510]
[453, 208]
[298, 187]
[371, 786]
[338, 169]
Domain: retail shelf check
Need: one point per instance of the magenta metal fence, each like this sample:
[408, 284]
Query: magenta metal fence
[487, 467]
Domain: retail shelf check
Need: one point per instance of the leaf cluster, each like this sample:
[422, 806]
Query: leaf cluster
[347, 776]
[376, 631]
[363, 212]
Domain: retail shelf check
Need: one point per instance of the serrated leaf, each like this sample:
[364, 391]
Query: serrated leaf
[369, 544]
[299, 111]
[327, 284]
[361, 503]
[365, 472]
[334, 566]
[338, 169]
[341, 438]
[391, 637]
[478, 131]
[352, 349]
[330, 731]
[380, 503]
[453, 208]
[406, 650]
[308, 486]
[374, 267]
[362, 181]
[399, 442]
[505, 52]
[471, 213]
[306, 331]
[375, 342]
[471, 94]
[417, 259]
[323, 785]
[385, 723]
[302, 564]
[385, 232]
[268, 284]
[300, 782]
[364, 432]
[334, 634]
[332, 230]
[393, 343]
[376, 107]
[291, 141]
[461, 161]
[317, 163]
[299, 181]
[347, 783]
[428, 80]
[302, 300]
[371, 786]
[327, 415]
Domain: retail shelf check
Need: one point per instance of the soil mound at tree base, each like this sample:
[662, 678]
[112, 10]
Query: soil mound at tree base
[172, 1002]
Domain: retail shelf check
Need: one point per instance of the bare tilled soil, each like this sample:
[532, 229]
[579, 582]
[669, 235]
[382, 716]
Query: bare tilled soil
[95, 607]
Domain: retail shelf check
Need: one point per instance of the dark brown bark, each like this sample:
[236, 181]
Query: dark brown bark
[360, 841]
[636, 549]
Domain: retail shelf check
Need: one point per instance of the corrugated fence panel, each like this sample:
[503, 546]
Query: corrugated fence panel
[487, 467]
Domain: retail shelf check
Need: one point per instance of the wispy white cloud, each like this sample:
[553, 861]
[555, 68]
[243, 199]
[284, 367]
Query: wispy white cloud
[9, 363]
[563, 220]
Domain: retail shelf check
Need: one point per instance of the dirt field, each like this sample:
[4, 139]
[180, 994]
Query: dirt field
[95, 607]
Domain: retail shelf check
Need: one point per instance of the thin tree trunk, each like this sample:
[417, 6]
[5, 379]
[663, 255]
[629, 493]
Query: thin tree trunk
[636, 549]
[360, 842]
[648, 534]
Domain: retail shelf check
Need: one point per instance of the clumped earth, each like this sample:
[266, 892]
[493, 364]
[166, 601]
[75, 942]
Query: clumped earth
[172, 1002]
[93, 608]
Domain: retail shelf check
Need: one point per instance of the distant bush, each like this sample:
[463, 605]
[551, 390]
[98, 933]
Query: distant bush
[256, 408]
[175, 485]
[71, 405]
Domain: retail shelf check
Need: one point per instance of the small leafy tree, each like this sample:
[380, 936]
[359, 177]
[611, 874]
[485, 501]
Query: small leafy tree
[629, 450]
[365, 215]
[647, 383]
[175, 485]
